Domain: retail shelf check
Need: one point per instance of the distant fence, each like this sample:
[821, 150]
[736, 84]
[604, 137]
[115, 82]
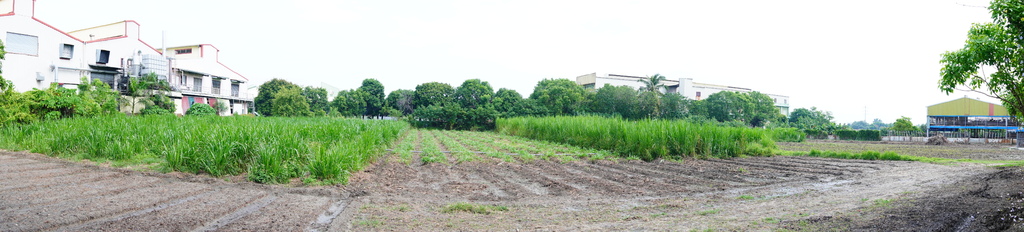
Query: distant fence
[967, 136]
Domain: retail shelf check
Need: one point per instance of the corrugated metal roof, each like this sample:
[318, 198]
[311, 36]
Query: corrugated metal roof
[968, 107]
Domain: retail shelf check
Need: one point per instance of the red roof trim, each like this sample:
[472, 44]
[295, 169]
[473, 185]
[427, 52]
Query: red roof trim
[7, 14]
[58, 30]
[229, 69]
[105, 39]
[150, 47]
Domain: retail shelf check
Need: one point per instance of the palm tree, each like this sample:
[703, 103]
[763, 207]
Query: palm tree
[653, 83]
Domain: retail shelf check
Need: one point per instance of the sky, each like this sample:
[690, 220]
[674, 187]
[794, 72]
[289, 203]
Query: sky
[859, 60]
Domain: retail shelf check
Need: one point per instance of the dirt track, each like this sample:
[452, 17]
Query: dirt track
[41, 193]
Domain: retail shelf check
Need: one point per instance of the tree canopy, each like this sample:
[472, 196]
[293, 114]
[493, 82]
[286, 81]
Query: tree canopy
[401, 100]
[289, 102]
[264, 100]
[432, 93]
[350, 103]
[560, 96]
[997, 47]
[374, 97]
[474, 93]
[316, 97]
[904, 124]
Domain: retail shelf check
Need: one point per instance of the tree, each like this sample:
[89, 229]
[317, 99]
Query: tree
[474, 93]
[726, 106]
[996, 45]
[506, 102]
[760, 110]
[904, 124]
[653, 83]
[812, 119]
[675, 106]
[560, 96]
[374, 97]
[615, 100]
[350, 103]
[147, 90]
[317, 100]
[432, 93]
[264, 100]
[289, 102]
[401, 100]
[649, 105]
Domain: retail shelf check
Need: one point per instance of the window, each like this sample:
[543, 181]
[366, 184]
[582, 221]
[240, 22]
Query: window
[183, 51]
[234, 90]
[198, 83]
[102, 56]
[22, 44]
[66, 50]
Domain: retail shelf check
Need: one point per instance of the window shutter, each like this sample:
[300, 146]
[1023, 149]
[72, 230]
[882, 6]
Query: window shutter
[23, 44]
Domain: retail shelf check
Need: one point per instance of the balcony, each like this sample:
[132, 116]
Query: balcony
[216, 91]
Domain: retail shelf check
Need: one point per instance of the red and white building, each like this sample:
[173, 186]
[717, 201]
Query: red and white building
[39, 54]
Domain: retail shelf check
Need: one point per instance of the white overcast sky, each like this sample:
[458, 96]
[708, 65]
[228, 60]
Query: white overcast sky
[839, 56]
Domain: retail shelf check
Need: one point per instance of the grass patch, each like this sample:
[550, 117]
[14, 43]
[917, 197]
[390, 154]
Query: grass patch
[268, 149]
[869, 155]
[472, 208]
[882, 203]
[746, 197]
[370, 223]
[644, 139]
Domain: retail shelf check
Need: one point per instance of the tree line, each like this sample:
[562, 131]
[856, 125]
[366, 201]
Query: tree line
[475, 104]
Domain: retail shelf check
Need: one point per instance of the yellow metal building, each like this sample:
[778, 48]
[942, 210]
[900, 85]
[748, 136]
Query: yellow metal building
[966, 113]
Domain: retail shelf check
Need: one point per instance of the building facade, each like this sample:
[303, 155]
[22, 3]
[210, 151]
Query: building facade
[683, 86]
[39, 55]
[965, 114]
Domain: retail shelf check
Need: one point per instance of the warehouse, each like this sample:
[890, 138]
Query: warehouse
[966, 117]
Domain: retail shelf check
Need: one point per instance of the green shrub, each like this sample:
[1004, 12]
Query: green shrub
[153, 110]
[787, 135]
[816, 134]
[200, 109]
[869, 135]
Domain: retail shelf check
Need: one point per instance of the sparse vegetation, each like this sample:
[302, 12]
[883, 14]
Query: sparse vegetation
[472, 208]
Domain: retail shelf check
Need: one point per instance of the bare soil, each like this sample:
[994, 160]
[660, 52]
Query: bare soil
[759, 194]
[42, 193]
[742, 194]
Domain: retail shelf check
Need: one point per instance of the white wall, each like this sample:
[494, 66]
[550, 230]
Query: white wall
[22, 69]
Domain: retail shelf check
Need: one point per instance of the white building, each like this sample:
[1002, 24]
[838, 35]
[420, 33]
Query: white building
[683, 86]
[39, 54]
[200, 78]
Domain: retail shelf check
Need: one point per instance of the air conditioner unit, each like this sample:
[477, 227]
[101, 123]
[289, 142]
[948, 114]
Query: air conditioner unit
[102, 56]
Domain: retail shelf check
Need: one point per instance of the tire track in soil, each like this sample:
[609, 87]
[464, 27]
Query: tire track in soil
[511, 190]
[289, 212]
[85, 191]
[554, 187]
[776, 167]
[637, 182]
[680, 180]
[82, 212]
[825, 161]
[558, 176]
[6, 163]
[58, 181]
[691, 170]
[188, 213]
[820, 166]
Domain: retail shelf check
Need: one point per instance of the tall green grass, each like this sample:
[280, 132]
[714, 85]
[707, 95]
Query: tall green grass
[269, 150]
[645, 139]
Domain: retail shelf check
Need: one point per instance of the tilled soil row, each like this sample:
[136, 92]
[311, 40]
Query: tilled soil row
[42, 193]
[509, 181]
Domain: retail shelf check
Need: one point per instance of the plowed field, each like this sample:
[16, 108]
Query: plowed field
[40, 193]
[519, 186]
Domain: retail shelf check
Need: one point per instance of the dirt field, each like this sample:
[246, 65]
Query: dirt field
[41, 193]
[764, 193]
[744, 194]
